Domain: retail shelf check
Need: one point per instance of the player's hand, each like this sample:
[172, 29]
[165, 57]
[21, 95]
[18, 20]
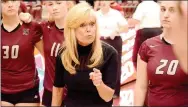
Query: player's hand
[96, 77]
[25, 17]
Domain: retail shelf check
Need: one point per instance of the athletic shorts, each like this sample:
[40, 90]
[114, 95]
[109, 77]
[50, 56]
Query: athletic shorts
[26, 96]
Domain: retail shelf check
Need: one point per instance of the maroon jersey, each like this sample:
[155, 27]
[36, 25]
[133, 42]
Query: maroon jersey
[17, 57]
[168, 84]
[53, 38]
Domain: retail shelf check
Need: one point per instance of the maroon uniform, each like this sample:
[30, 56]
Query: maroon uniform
[17, 55]
[53, 38]
[168, 84]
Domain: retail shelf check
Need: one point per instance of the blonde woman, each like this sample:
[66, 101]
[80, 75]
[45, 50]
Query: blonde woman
[87, 66]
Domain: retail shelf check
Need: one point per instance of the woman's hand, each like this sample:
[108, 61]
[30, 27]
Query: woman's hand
[25, 17]
[96, 77]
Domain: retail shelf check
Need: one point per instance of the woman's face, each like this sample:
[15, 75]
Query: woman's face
[86, 32]
[105, 4]
[10, 7]
[57, 9]
[169, 13]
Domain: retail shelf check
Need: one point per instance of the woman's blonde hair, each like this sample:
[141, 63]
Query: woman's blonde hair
[75, 17]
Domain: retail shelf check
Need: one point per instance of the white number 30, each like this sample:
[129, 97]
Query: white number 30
[171, 68]
[14, 52]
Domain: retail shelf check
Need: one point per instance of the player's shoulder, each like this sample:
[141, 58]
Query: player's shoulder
[153, 41]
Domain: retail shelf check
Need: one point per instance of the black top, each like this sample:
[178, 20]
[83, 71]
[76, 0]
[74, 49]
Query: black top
[81, 91]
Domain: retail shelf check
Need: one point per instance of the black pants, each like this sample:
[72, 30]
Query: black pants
[141, 36]
[117, 44]
[27, 96]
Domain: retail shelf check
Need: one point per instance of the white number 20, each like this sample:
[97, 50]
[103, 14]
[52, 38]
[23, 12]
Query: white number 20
[171, 68]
